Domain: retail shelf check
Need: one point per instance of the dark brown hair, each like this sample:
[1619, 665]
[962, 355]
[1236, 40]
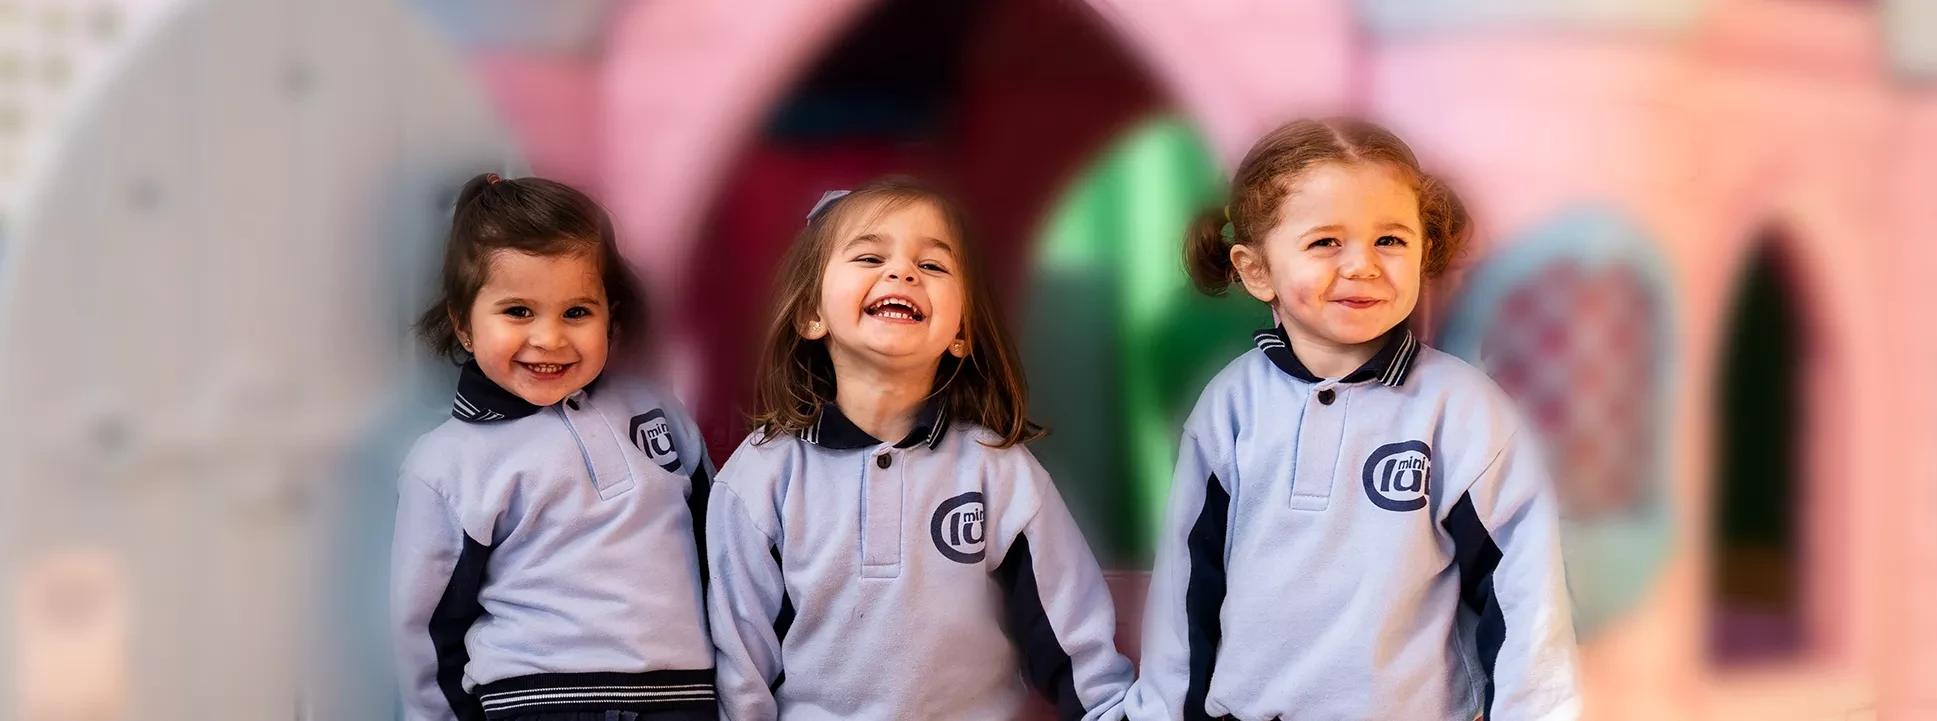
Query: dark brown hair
[527, 215]
[1274, 166]
[796, 379]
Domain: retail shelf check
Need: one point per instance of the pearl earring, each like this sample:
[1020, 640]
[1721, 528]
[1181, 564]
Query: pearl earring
[958, 348]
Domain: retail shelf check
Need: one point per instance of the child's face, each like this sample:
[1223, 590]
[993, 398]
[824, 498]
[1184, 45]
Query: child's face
[892, 292]
[1343, 264]
[540, 323]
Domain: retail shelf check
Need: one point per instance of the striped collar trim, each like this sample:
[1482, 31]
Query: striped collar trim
[834, 431]
[1390, 366]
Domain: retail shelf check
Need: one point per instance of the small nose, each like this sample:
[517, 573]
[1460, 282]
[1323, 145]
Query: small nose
[1359, 263]
[901, 273]
[546, 336]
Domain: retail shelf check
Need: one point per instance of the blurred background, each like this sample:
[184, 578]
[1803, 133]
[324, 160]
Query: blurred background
[1707, 237]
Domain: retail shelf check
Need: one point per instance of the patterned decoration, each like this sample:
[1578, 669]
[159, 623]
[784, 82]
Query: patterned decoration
[1573, 347]
[1573, 323]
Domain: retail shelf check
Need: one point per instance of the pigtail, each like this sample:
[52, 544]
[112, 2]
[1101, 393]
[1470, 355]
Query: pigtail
[1207, 252]
[474, 188]
[1448, 226]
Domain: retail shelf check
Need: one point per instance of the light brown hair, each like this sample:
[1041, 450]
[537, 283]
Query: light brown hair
[796, 375]
[1272, 168]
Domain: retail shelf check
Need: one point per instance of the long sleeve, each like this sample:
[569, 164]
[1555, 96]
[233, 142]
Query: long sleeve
[747, 608]
[1506, 535]
[436, 571]
[1182, 624]
[1061, 615]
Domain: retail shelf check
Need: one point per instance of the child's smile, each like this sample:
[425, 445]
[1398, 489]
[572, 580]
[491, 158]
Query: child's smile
[891, 294]
[895, 309]
[545, 371]
[540, 324]
[1343, 265]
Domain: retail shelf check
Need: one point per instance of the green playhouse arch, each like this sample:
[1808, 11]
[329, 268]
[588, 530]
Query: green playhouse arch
[1116, 342]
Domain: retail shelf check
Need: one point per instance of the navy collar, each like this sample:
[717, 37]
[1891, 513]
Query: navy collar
[480, 400]
[835, 432]
[1389, 366]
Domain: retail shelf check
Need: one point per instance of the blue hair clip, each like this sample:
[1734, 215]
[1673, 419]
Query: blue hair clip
[827, 199]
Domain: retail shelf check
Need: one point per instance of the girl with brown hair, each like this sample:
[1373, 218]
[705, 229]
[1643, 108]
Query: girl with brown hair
[883, 546]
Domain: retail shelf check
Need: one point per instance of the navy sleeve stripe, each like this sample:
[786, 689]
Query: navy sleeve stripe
[1204, 594]
[1477, 555]
[781, 621]
[456, 610]
[1044, 662]
[696, 506]
[785, 619]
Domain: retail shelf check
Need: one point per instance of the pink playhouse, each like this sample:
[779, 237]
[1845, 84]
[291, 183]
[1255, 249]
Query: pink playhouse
[1707, 238]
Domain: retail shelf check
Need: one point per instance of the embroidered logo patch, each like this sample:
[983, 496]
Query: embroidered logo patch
[1399, 475]
[652, 434]
[959, 528]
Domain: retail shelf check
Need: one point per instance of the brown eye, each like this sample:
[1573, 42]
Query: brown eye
[578, 311]
[1392, 241]
[518, 311]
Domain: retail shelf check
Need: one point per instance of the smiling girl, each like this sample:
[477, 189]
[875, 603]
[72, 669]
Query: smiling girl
[883, 546]
[547, 555]
[1360, 527]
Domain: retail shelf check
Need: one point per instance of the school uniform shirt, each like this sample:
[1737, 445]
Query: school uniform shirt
[1379, 546]
[547, 559]
[922, 579]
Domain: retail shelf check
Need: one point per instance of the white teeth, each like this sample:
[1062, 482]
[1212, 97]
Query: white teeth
[545, 367]
[893, 308]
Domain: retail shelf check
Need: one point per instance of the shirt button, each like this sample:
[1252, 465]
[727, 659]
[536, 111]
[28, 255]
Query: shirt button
[1326, 396]
[883, 460]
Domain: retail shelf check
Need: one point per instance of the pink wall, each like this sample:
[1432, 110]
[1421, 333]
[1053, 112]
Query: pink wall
[1909, 657]
[1774, 112]
[1525, 128]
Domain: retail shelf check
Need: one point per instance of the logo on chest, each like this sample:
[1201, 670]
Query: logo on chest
[1398, 476]
[960, 528]
[652, 434]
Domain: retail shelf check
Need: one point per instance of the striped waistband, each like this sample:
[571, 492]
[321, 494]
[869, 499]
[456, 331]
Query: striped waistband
[564, 692]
